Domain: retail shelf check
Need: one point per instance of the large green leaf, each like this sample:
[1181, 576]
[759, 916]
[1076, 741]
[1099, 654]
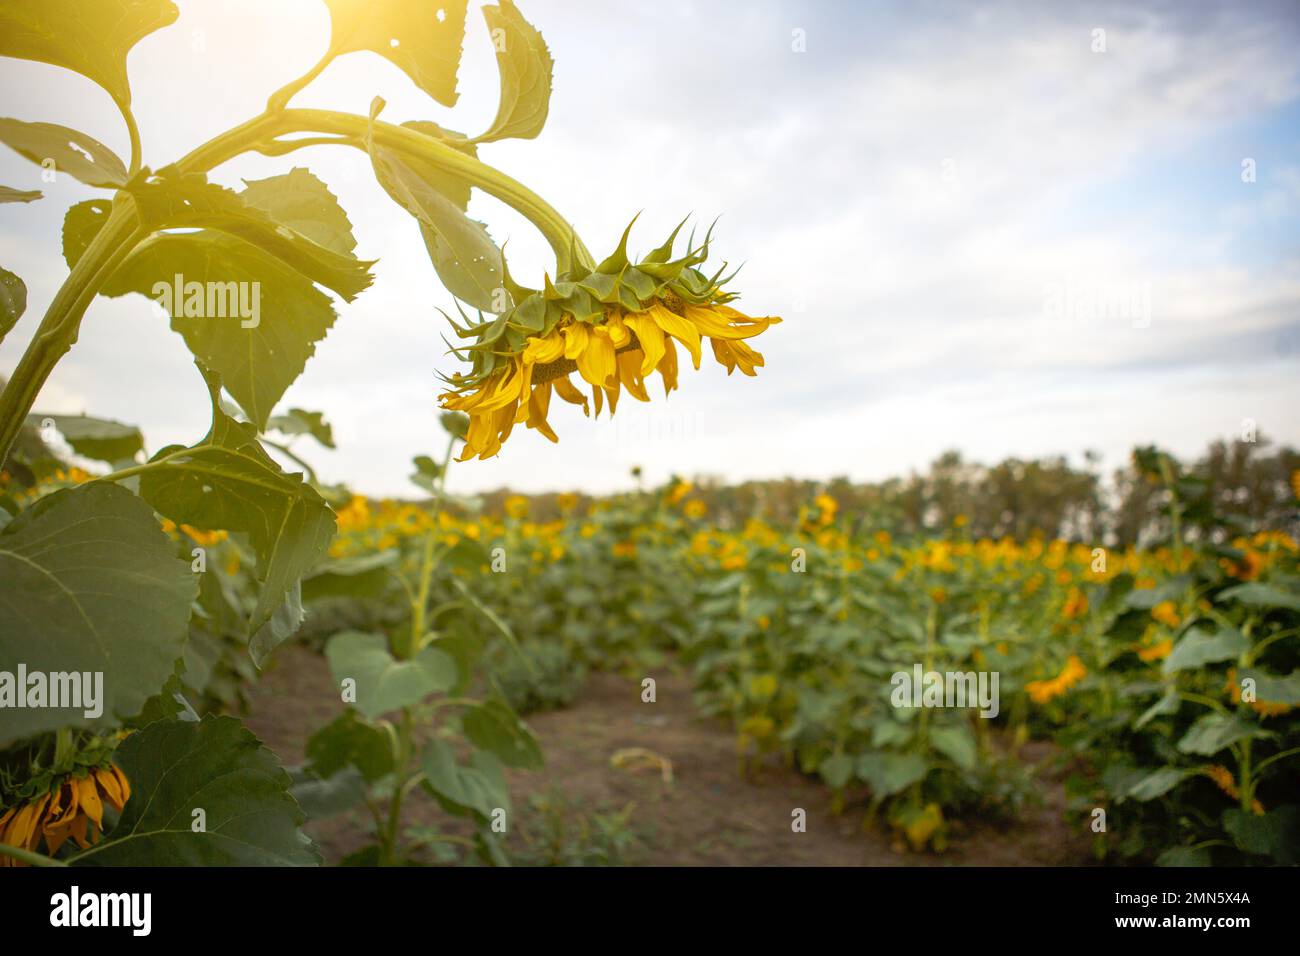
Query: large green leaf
[89, 583]
[304, 204]
[493, 726]
[80, 156]
[384, 683]
[421, 37]
[479, 788]
[888, 773]
[1198, 648]
[191, 202]
[257, 361]
[1213, 732]
[1157, 783]
[13, 301]
[466, 259]
[1256, 594]
[228, 482]
[525, 65]
[1273, 688]
[349, 741]
[91, 37]
[957, 743]
[218, 767]
[360, 576]
[98, 438]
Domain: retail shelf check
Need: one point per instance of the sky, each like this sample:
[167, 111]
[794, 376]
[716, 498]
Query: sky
[934, 196]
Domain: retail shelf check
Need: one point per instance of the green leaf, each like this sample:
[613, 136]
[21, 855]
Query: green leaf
[215, 765]
[257, 364]
[384, 683]
[455, 424]
[1198, 648]
[91, 37]
[349, 741]
[957, 743]
[452, 186]
[479, 788]
[1168, 704]
[493, 726]
[1213, 732]
[228, 482]
[304, 204]
[1256, 594]
[90, 583]
[8, 194]
[300, 422]
[13, 301]
[466, 259]
[1273, 688]
[526, 66]
[191, 202]
[322, 799]
[836, 770]
[98, 438]
[1185, 856]
[80, 156]
[361, 576]
[886, 774]
[408, 33]
[1157, 783]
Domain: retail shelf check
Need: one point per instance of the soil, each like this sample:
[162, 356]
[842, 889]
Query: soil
[708, 815]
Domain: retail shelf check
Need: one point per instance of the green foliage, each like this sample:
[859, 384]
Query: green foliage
[79, 570]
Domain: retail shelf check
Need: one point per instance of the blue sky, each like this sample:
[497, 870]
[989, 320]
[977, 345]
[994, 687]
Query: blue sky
[904, 192]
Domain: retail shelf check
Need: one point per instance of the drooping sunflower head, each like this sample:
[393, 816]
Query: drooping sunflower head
[613, 327]
[68, 808]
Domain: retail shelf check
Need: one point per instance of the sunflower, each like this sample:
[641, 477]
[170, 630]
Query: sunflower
[74, 809]
[613, 327]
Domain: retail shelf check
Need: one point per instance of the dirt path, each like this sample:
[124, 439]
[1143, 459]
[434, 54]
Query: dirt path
[708, 815]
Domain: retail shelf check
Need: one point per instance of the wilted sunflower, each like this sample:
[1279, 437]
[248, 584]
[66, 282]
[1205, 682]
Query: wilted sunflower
[75, 809]
[615, 326]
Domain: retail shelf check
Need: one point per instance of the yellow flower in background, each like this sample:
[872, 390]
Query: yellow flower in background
[1042, 691]
[624, 549]
[1167, 613]
[517, 506]
[566, 501]
[695, 509]
[1076, 604]
[826, 508]
[1225, 781]
[1157, 651]
[679, 490]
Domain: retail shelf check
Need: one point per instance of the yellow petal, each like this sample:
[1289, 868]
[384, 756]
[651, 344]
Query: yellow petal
[569, 392]
[629, 374]
[667, 366]
[596, 363]
[88, 796]
[651, 338]
[679, 328]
